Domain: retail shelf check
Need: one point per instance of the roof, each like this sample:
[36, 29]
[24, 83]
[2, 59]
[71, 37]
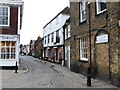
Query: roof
[64, 11]
[11, 1]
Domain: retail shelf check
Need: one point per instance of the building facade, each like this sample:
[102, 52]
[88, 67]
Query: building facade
[95, 39]
[10, 24]
[37, 47]
[53, 37]
[67, 43]
[41, 49]
[25, 49]
[32, 48]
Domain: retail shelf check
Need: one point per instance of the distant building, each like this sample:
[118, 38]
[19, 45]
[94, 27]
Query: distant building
[37, 47]
[67, 43]
[41, 49]
[53, 37]
[32, 50]
[11, 12]
[25, 50]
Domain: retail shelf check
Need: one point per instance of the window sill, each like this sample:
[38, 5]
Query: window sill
[4, 26]
[67, 38]
[82, 22]
[101, 12]
[85, 61]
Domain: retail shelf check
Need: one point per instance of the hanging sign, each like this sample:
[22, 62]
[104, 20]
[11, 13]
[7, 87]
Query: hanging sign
[102, 38]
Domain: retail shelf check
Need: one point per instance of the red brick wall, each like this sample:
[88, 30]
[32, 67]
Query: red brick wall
[12, 29]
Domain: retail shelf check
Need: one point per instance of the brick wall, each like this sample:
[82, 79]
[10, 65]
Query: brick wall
[105, 56]
[12, 29]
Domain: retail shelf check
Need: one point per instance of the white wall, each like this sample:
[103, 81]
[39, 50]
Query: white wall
[52, 27]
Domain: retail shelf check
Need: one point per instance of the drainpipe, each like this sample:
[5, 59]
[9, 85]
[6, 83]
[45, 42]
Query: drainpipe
[89, 68]
[109, 46]
[64, 43]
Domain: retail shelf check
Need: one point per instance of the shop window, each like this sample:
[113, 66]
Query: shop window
[84, 42]
[7, 50]
[101, 6]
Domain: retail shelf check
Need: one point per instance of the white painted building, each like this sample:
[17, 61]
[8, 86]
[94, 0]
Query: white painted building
[53, 36]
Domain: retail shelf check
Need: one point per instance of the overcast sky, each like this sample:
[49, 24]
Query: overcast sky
[36, 14]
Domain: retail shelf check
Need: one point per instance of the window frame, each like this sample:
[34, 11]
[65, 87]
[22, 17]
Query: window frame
[82, 48]
[45, 39]
[82, 11]
[97, 8]
[49, 38]
[8, 16]
[57, 33]
[68, 31]
[52, 37]
[9, 51]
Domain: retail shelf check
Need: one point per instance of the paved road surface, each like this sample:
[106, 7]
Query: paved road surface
[40, 75]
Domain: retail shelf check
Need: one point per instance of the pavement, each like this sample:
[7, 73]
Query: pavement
[8, 73]
[77, 77]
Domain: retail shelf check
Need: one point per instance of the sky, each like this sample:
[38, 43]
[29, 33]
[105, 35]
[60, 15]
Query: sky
[36, 14]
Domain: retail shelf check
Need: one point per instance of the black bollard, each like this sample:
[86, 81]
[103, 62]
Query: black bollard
[89, 77]
[52, 65]
[16, 67]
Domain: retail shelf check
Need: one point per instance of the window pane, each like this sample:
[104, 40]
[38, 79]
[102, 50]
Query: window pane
[7, 50]
[84, 49]
[83, 15]
[83, 10]
[101, 5]
[3, 15]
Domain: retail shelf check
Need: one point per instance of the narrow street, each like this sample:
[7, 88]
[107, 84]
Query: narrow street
[41, 75]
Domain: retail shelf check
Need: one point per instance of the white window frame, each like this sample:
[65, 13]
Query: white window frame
[49, 38]
[52, 37]
[45, 40]
[68, 31]
[98, 8]
[83, 47]
[65, 33]
[8, 16]
[12, 51]
[82, 11]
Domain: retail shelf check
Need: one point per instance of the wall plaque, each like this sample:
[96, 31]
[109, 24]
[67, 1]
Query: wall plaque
[102, 38]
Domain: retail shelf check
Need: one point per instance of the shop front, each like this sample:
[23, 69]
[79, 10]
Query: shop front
[9, 50]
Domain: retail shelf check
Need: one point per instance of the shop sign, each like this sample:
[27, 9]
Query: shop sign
[8, 38]
[102, 38]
